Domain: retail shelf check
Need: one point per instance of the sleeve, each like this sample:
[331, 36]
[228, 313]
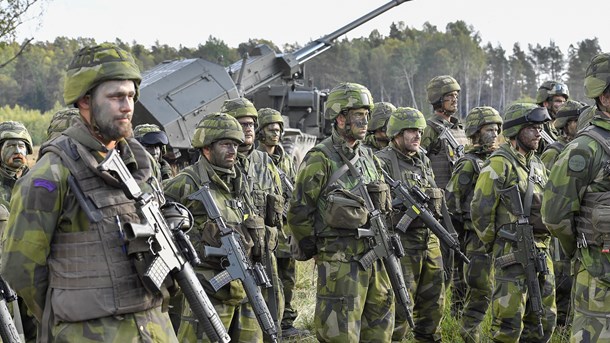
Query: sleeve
[429, 140]
[458, 188]
[548, 158]
[486, 199]
[312, 176]
[35, 208]
[568, 180]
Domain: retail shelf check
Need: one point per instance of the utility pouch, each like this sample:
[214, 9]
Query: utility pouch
[380, 196]
[255, 226]
[272, 237]
[344, 210]
[600, 217]
[274, 210]
[435, 204]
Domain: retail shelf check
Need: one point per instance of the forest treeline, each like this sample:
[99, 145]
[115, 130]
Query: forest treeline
[396, 68]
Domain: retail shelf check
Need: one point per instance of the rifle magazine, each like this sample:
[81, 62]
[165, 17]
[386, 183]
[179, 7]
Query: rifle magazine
[221, 279]
[156, 273]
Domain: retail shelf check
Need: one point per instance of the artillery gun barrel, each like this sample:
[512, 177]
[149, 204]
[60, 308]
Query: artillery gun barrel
[322, 44]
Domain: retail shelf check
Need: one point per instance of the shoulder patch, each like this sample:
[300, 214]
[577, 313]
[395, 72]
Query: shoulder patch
[48, 185]
[577, 163]
[464, 179]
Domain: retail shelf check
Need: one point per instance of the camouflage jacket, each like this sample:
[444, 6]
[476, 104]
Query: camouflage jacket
[580, 169]
[551, 152]
[7, 182]
[460, 189]
[233, 201]
[305, 214]
[429, 139]
[504, 168]
[371, 143]
[43, 204]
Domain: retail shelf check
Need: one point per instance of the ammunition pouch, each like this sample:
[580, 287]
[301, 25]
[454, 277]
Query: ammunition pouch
[592, 224]
[255, 226]
[272, 238]
[259, 200]
[436, 201]
[380, 194]
[344, 210]
[274, 210]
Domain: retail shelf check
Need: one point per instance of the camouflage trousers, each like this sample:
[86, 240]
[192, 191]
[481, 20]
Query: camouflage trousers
[239, 321]
[352, 304]
[591, 322]
[512, 320]
[276, 291]
[422, 267]
[146, 326]
[563, 283]
[478, 288]
[286, 268]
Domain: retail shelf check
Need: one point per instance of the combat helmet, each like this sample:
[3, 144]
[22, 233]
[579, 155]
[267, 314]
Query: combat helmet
[405, 118]
[346, 96]
[597, 76]
[15, 130]
[91, 66]
[551, 88]
[439, 86]
[479, 117]
[61, 120]
[380, 115]
[268, 116]
[519, 115]
[570, 110]
[150, 134]
[239, 108]
[216, 126]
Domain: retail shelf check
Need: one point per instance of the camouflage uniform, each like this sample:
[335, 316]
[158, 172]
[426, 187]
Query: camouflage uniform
[459, 193]
[561, 263]
[506, 167]
[379, 119]
[151, 136]
[422, 264]
[229, 191]
[263, 183]
[285, 262]
[352, 304]
[575, 210]
[61, 120]
[545, 98]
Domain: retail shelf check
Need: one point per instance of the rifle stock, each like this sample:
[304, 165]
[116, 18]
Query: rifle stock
[418, 208]
[8, 330]
[238, 264]
[166, 248]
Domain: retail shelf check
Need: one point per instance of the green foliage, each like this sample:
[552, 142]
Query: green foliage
[36, 122]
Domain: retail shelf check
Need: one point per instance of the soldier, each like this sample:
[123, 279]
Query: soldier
[376, 137]
[508, 189]
[405, 160]
[61, 120]
[15, 146]
[482, 126]
[552, 95]
[444, 140]
[352, 304]
[269, 134]
[264, 184]
[154, 140]
[51, 247]
[565, 123]
[575, 209]
[217, 136]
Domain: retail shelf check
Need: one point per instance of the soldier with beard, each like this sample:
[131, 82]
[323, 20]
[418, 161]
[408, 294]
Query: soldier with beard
[376, 137]
[15, 146]
[514, 172]
[552, 95]
[64, 254]
[472, 284]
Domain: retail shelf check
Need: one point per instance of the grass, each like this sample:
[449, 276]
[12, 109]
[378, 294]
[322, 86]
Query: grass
[305, 297]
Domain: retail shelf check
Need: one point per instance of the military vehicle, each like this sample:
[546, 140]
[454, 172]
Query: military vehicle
[177, 94]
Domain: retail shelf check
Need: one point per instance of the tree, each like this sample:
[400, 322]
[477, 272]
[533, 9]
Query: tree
[579, 57]
[12, 13]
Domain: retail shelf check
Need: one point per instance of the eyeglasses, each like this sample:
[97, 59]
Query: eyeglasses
[247, 125]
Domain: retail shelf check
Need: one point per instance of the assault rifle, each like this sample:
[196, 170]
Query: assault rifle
[414, 201]
[386, 247]
[547, 138]
[527, 254]
[168, 245]
[455, 146]
[8, 330]
[237, 264]
[287, 188]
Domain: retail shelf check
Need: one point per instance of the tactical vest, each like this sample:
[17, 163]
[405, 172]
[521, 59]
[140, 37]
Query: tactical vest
[477, 163]
[592, 221]
[535, 218]
[442, 162]
[90, 273]
[260, 183]
[341, 178]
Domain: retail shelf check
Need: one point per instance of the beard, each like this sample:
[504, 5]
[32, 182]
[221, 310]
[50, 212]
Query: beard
[107, 125]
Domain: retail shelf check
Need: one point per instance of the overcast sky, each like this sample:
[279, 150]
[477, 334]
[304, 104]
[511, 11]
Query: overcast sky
[190, 22]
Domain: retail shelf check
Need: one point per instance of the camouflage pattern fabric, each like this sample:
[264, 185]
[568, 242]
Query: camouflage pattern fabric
[41, 207]
[549, 128]
[61, 120]
[371, 143]
[581, 169]
[352, 304]
[510, 320]
[422, 264]
[476, 274]
[549, 156]
[228, 191]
